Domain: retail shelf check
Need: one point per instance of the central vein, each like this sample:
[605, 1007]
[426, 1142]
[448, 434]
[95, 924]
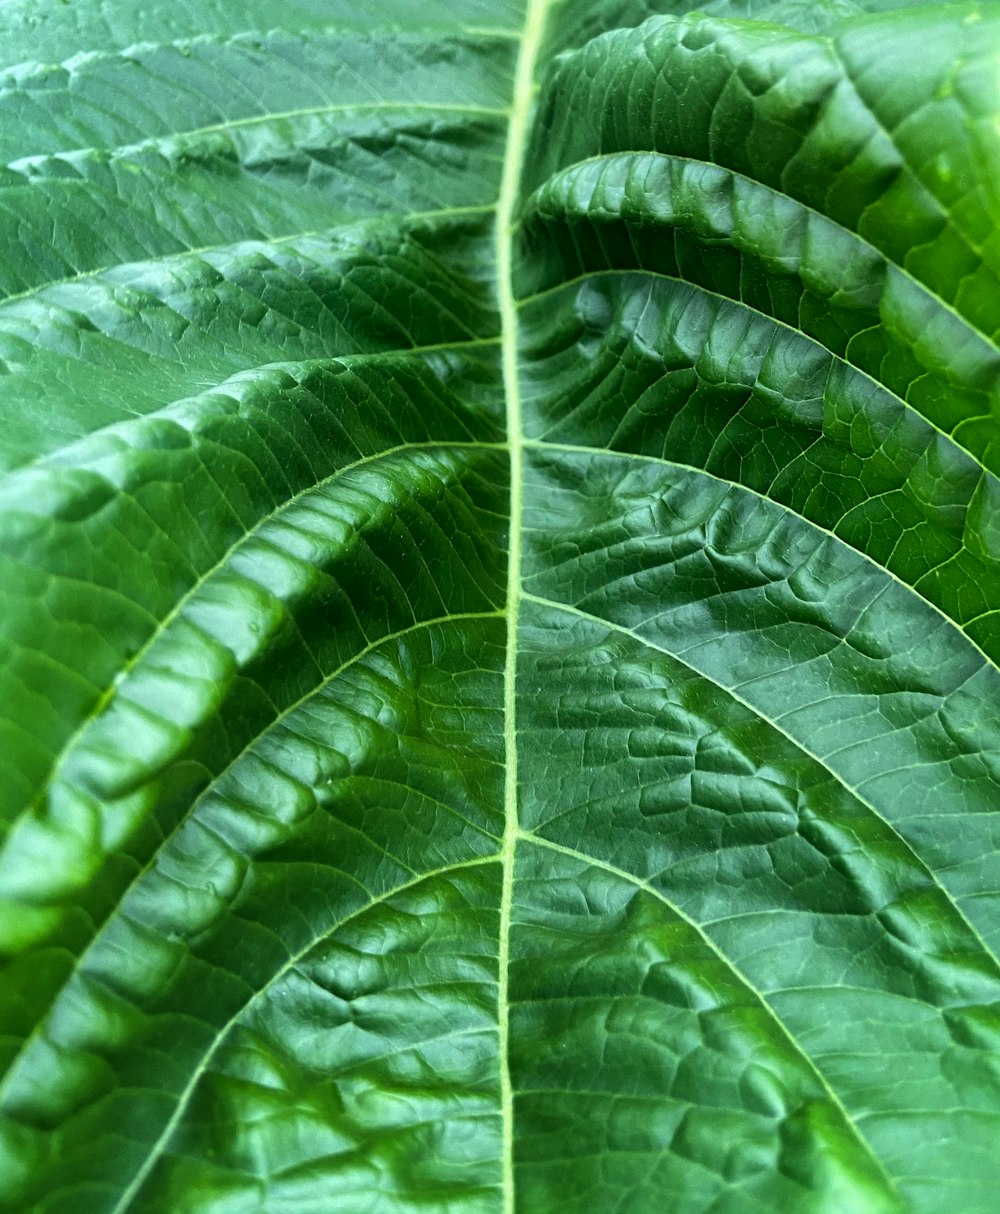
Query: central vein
[524, 84]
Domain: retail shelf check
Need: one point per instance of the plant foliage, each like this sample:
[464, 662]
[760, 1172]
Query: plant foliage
[499, 607]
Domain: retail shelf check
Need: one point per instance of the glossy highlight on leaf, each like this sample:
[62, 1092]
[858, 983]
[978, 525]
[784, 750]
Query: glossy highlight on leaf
[499, 607]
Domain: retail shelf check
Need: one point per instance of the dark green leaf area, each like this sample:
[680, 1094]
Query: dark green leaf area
[77, 213]
[369, 1067]
[720, 1108]
[499, 607]
[748, 885]
[115, 158]
[732, 237]
[804, 115]
[763, 338]
[167, 91]
[148, 335]
[586, 19]
[886, 188]
[264, 631]
[384, 779]
[56, 32]
[713, 383]
[842, 660]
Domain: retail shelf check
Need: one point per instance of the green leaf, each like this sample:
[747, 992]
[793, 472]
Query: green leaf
[499, 607]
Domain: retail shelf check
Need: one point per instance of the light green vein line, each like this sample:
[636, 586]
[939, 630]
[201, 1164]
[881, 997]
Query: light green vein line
[234, 124]
[623, 875]
[517, 141]
[493, 31]
[162, 1141]
[574, 449]
[789, 737]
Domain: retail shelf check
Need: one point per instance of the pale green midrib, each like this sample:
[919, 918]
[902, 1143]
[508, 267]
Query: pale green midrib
[662, 460]
[604, 157]
[514, 157]
[41, 1020]
[801, 746]
[623, 874]
[127, 1197]
[387, 217]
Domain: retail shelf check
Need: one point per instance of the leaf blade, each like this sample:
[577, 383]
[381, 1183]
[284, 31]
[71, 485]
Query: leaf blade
[499, 668]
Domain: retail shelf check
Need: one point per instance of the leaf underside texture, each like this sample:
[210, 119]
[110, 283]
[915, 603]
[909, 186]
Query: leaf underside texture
[499, 607]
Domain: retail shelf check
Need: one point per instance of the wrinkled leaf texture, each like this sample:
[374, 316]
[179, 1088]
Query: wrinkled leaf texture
[500, 602]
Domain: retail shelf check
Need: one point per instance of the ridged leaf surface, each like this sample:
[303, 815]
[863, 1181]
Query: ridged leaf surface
[499, 607]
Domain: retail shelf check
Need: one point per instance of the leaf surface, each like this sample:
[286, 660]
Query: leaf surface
[499, 607]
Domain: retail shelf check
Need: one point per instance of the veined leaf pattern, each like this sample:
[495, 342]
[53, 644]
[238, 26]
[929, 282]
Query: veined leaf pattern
[499, 607]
